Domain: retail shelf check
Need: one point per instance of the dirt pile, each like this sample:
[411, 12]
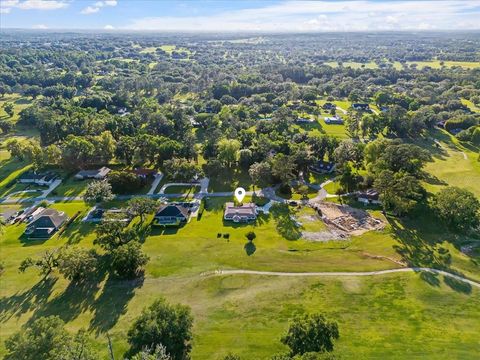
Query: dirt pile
[346, 218]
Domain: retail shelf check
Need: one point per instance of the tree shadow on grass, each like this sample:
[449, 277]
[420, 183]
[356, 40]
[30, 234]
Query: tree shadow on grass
[250, 248]
[457, 285]
[77, 297]
[144, 230]
[77, 231]
[112, 302]
[421, 247]
[21, 303]
[164, 230]
[430, 278]
[287, 227]
[432, 179]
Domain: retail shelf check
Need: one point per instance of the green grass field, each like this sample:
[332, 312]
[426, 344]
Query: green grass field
[397, 311]
[470, 105]
[454, 164]
[394, 316]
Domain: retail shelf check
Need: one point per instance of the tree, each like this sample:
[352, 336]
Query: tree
[348, 151]
[105, 146]
[77, 152]
[347, 178]
[141, 206]
[261, 173]
[381, 98]
[163, 324]
[181, 170]
[159, 353]
[124, 182]
[399, 191]
[77, 264]
[127, 260]
[45, 338]
[459, 208]
[311, 333]
[112, 233]
[79, 348]
[245, 158]
[384, 154]
[303, 190]
[45, 264]
[8, 107]
[98, 191]
[282, 168]
[228, 151]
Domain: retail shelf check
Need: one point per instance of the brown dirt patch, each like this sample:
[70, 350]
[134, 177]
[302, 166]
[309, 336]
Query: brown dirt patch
[347, 219]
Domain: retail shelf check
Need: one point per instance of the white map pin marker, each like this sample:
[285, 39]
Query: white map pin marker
[239, 194]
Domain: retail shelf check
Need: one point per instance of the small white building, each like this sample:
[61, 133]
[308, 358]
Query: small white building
[42, 179]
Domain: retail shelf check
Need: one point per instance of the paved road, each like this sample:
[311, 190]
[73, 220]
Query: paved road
[268, 192]
[346, 273]
[158, 178]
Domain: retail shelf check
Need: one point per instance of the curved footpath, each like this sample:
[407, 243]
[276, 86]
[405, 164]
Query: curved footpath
[355, 273]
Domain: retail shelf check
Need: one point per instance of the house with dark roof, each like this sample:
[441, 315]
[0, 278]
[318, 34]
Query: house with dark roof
[323, 167]
[42, 179]
[45, 223]
[370, 196]
[361, 106]
[328, 106]
[98, 174]
[303, 120]
[145, 173]
[171, 215]
[241, 213]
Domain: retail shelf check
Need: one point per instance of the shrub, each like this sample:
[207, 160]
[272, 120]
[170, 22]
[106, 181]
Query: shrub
[250, 236]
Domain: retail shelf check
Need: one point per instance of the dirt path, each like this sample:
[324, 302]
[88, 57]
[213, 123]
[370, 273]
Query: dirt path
[342, 274]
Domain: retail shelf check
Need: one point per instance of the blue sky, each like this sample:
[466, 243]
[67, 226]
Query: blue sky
[288, 16]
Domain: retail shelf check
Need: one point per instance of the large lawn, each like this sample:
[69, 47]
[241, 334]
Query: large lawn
[379, 317]
[455, 164]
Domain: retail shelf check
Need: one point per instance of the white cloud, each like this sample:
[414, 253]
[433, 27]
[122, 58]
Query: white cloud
[7, 5]
[40, 27]
[89, 10]
[345, 15]
[108, 27]
[97, 6]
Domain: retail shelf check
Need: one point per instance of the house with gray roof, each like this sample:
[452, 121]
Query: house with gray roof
[171, 215]
[98, 174]
[42, 179]
[45, 223]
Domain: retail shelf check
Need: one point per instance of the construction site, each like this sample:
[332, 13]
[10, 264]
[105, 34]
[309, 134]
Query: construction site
[344, 220]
